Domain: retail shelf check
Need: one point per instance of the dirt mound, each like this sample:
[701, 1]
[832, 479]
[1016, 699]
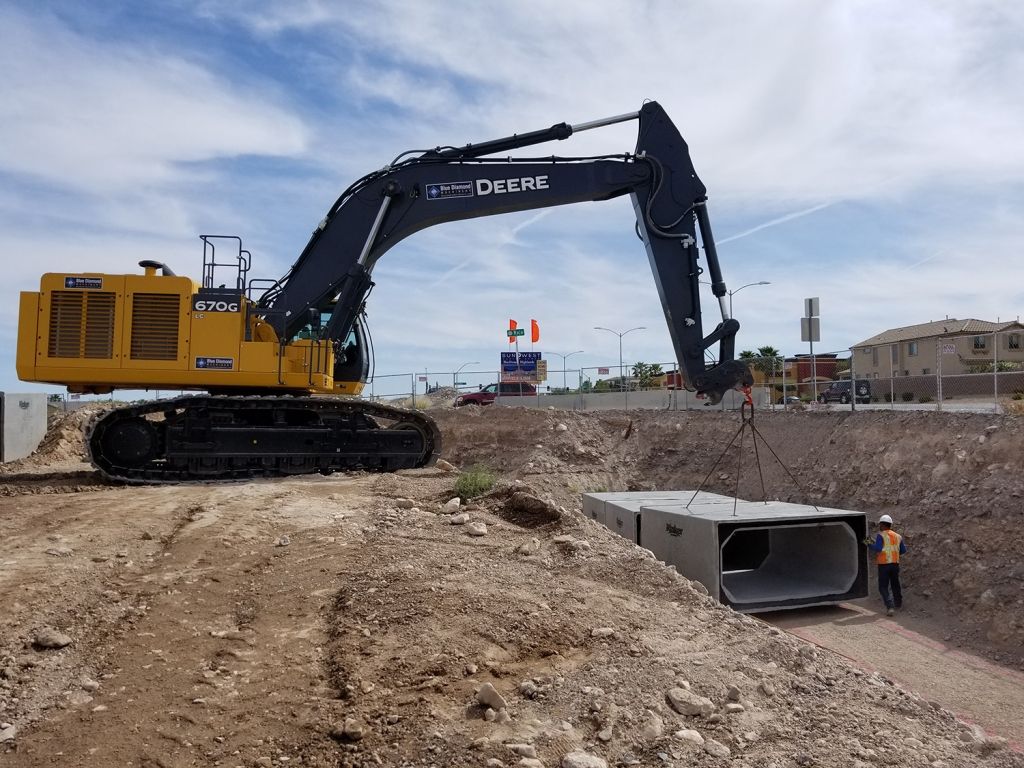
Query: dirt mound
[534, 643]
[64, 442]
[953, 483]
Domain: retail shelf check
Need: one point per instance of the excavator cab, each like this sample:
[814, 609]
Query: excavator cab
[352, 359]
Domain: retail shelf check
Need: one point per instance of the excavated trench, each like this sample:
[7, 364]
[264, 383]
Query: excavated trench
[938, 475]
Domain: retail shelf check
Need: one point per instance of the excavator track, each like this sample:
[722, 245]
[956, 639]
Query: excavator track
[212, 437]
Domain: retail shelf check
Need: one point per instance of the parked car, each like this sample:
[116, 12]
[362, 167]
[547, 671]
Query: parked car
[788, 399]
[839, 391]
[487, 394]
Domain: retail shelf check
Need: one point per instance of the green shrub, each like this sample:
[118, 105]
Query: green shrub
[474, 482]
[1018, 395]
[888, 397]
[924, 399]
[907, 396]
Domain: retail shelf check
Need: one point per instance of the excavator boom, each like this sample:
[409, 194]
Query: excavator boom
[333, 273]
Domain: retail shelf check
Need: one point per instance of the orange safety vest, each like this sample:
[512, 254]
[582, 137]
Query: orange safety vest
[890, 547]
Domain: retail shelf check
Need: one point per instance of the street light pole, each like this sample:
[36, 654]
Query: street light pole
[455, 384]
[622, 378]
[759, 282]
[565, 365]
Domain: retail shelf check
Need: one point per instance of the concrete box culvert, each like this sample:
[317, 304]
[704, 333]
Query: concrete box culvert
[618, 510]
[754, 556]
[789, 563]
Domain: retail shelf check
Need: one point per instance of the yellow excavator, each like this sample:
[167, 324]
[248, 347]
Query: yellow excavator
[280, 363]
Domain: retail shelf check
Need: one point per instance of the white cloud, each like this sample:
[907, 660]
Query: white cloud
[890, 123]
[121, 118]
[802, 100]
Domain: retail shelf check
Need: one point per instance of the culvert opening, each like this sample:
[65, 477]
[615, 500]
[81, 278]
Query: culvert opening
[794, 563]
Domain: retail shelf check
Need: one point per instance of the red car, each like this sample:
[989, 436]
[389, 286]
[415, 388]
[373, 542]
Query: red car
[487, 394]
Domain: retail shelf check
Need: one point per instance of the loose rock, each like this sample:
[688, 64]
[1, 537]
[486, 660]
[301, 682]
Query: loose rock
[47, 637]
[688, 734]
[351, 730]
[583, 760]
[530, 547]
[489, 697]
[653, 727]
[688, 703]
[452, 505]
[523, 750]
[444, 466]
[476, 529]
[716, 749]
[283, 541]
[460, 519]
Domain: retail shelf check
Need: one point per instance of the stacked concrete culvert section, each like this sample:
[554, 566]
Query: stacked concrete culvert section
[753, 556]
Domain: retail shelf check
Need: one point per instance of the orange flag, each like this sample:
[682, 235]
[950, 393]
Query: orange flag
[512, 325]
[534, 331]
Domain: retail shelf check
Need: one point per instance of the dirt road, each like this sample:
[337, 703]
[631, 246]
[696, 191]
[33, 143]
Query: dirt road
[195, 635]
[902, 648]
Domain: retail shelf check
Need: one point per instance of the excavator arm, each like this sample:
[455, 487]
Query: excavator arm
[333, 273]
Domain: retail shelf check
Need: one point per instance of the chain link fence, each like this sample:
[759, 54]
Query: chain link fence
[967, 372]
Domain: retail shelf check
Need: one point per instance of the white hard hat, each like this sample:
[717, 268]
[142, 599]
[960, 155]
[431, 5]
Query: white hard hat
[885, 519]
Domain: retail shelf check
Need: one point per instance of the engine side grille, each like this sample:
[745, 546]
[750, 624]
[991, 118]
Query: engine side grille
[155, 319]
[81, 324]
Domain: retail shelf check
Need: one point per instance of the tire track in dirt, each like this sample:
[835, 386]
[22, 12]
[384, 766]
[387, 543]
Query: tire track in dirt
[220, 653]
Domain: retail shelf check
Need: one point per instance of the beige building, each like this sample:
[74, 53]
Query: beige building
[952, 346]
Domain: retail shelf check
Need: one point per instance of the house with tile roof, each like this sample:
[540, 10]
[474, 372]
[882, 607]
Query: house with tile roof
[952, 346]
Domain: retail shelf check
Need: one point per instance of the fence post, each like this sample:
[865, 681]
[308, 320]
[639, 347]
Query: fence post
[938, 373]
[412, 388]
[785, 399]
[995, 371]
[892, 383]
[853, 381]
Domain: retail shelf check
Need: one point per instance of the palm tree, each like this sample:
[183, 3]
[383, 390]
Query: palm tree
[767, 360]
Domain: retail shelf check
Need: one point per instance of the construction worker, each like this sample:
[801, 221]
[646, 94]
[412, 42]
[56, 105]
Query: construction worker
[889, 546]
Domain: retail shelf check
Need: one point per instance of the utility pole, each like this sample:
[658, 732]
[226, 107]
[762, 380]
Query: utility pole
[455, 384]
[565, 364]
[622, 378]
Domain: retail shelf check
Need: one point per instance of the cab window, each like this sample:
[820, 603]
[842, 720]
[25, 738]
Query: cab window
[491, 388]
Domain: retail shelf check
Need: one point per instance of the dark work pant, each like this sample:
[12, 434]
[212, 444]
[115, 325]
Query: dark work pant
[889, 576]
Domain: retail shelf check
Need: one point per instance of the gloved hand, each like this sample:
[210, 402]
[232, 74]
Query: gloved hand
[868, 541]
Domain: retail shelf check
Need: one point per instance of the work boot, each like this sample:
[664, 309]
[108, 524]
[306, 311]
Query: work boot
[890, 611]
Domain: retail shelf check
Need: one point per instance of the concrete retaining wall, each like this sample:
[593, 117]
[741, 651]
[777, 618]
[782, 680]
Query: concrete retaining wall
[657, 399]
[22, 424]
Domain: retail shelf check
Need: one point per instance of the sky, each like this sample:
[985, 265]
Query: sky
[867, 153]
